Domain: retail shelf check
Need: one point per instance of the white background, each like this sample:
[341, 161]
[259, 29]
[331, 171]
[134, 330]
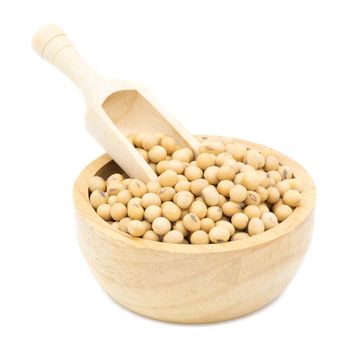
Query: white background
[274, 72]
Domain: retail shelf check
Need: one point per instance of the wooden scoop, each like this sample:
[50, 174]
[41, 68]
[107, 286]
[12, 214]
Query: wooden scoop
[114, 108]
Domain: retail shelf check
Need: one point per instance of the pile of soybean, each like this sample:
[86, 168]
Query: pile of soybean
[228, 192]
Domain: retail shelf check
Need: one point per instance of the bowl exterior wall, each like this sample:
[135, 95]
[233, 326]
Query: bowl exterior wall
[194, 287]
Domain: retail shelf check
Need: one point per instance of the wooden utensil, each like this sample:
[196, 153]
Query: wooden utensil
[114, 108]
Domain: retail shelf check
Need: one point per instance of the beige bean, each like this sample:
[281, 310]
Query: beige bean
[240, 221]
[169, 144]
[151, 236]
[135, 211]
[166, 194]
[97, 198]
[173, 236]
[96, 183]
[198, 208]
[231, 208]
[292, 198]
[255, 226]
[219, 234]
[193, 172]
[183, 199]
[171, 211]
[152, 212]
[149, 199]
[224, 187]
[214, 213]
[226, 224]
[153, 186]
[282, 212]
[137, 188]
[207, 224]
[239, 235]
[104, 211]
[136, 228]
[238, 193]
[149, 141]
[199, 237]
[157, 153]
[211, 175]
[179, 226]
[269, 219]
[205, 160]
[197, 186]
[210, 195]
[212, 147]
[118, 211]
[191, 222]
[161, 226]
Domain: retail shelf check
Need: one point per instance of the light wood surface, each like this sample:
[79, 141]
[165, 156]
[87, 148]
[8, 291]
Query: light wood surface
[193, 283]
[114, 108]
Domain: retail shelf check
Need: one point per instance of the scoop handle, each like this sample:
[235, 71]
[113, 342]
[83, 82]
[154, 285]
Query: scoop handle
[51, 43]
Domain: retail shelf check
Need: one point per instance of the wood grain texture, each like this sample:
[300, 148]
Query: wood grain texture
[193, 283]
[114, 108]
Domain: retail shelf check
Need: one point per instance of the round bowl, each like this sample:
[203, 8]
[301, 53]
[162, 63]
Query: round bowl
[193, 283]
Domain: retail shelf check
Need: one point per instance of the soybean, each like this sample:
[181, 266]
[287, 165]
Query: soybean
[228, 192]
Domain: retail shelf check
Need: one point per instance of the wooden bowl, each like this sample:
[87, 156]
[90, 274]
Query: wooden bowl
[193, 283]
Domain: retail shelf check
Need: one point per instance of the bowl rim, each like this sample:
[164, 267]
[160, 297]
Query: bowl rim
[105, 231]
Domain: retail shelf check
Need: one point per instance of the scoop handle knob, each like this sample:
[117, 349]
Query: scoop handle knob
[52, 44]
